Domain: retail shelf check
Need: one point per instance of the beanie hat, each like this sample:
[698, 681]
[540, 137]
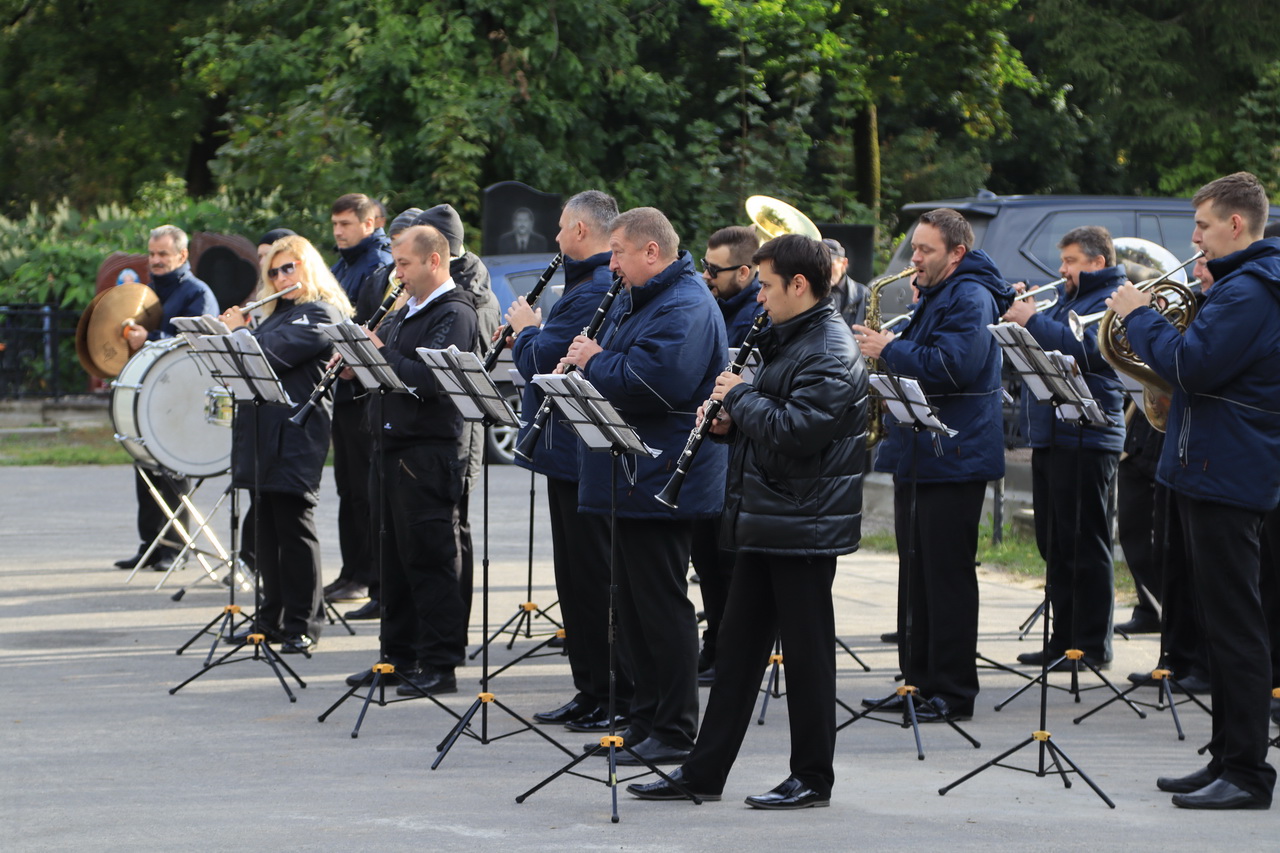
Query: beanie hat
[404, 220]
[444, 219]
[275, 234]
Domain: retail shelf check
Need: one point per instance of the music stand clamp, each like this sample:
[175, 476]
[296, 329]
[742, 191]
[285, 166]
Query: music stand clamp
[908, 405]
[238, 362]
[463, 379]
[602, 429]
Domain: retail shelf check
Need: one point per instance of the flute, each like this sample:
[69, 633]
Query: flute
[492, 358]
[671, 491]
[245, 309]
[525, 448]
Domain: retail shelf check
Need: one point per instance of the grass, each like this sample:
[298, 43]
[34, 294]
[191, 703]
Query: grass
[85, 446]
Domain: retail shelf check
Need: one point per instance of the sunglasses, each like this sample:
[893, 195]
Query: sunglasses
[713, 270]
[283, 269]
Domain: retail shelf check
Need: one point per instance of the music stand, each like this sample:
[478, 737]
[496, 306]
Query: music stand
[237, 360]
[906, 402]
[586, 411]
[374, 373]
[1054, 379]
[462, 378]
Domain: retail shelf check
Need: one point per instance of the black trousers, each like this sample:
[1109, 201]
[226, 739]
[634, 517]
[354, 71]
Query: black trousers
[939, 588]
[1135, 512]
[772, 594]
[1182, 646]
[287, 559]
[658, 628]
[714, 566]
[1269, 585]
[151, 518]
[1071, 491]
[423, 618]
[464, 565]
[1223, 542]
[580, 548]
[352, 458]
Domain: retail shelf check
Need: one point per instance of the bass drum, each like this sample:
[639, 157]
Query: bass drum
[158, 411]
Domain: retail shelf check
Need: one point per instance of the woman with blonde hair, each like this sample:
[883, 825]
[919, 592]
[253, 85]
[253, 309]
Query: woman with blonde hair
[283, 471]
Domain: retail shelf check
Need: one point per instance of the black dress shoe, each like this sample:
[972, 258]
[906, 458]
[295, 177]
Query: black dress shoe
[348, 592]
[629, 738]
[162, 559]
[938, 710]
[1139, 625]
[1186, 784]
[707, 677]
[1220, 794]
[1038, 658]
[1064, 665]
[892, 702]
[653, 751]
[298, 644]
[791, 794]
[566, 713]
[365, 678]
[131, 562]
[330, 587]
[430, 680]
[891, 637]
[664, 790]
[597, 722]
[1192, 684]
[369, 610]
[555, 643]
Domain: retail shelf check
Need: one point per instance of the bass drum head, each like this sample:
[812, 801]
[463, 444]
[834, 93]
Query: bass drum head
[169, 414]
[124, 399]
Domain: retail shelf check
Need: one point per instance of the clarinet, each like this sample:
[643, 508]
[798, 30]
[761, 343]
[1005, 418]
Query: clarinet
[331, 375]
[499, 345]
[671, 492]
[525, 448]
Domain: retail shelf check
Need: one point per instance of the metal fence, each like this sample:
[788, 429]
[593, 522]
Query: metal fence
[38, 352]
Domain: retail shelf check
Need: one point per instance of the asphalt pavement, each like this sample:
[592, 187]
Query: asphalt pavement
[97, 755]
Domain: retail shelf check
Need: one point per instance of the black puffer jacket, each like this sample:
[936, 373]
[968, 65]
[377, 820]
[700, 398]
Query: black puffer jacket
[799, 442]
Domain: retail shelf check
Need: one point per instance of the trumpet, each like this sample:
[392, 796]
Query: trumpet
[901, 319]
[1045, 288]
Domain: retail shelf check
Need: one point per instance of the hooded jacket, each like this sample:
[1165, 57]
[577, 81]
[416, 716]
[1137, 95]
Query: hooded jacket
[537, 351]
[664, 344]
[181, 295]
[1223, 438]
[472, 276]
[947, 347]
[738, 312]
[1052, 330]
[799, 442]
[356, 262]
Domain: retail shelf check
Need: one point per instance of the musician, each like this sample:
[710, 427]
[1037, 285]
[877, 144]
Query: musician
[947, 347]
[283, 472]
[793, 504]
[850, 296]
[181, 295]
[362, 248]
[1222, 461]
[730, 273]
[1073, 467]
[579, 541]
[424, 631]
[658, 356]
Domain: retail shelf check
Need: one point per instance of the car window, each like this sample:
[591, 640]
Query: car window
[1177, 229]
[522, 282]
[1041, 248]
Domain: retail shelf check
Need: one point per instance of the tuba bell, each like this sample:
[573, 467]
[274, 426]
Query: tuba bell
[773, 217]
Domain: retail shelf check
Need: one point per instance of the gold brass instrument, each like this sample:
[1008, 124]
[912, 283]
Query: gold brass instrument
[1051, 287]
[876, 428]
[100, 341]
[773, 217]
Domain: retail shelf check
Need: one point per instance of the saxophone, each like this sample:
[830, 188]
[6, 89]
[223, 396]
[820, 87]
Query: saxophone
[876, 428]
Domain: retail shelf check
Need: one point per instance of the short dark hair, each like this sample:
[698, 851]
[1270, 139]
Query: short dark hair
[1240, 193]
[796, 254]
[742, 241]
[955, 229]
[596, 209]
[364, 207]
[643, 225]
[423, 240]
[1093, 240]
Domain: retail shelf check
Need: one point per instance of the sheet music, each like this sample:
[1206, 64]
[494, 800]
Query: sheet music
[590, 415]
[461, 375]
[191, 328]
[359, 353]
[238, 361]
[907, 402]
[1050, 376]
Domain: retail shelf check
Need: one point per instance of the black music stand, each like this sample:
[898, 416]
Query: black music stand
[238, 361]
[1057, 382]
[374, 373]
[907, 404]
[462, 378]
[602, 429]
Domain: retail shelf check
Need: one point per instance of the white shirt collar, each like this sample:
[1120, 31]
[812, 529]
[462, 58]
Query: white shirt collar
[415, 306]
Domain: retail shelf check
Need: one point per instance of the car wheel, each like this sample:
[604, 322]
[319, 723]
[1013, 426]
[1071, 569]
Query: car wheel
[500, 441]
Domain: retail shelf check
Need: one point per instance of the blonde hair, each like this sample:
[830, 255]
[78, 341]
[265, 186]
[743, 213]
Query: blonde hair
[318, 284]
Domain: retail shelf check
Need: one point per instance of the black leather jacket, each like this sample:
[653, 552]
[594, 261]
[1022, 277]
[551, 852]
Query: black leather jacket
[799, 442]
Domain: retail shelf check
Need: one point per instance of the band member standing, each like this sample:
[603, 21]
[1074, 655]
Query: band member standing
[849, 296]
[579, 541]
[730, 273]
[793, 504]
[660, 352]
[947, 347]
[283, 471]
[424, 630]
[1225, 374]
[1073, 467]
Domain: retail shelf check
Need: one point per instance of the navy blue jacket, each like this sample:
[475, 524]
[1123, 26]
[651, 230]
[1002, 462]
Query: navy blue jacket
[664, 344]
[948, 348]
[540, 350]
[181, 295]
[357, 262]
[1223, 439]
[738, 312]
[1052, 331]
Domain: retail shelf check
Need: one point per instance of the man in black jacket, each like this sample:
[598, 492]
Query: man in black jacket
[792, 505]
[423, 623]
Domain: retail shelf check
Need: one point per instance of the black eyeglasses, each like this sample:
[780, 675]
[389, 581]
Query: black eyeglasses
[283, 269]
[713, 270]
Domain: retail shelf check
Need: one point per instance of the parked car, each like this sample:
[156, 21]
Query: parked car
[513, 276]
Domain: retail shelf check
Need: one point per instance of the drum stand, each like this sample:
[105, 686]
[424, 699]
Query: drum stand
[173, 521]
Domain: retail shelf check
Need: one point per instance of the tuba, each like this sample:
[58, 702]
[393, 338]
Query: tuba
[1173, 299]
[876, 428]
[773, 217]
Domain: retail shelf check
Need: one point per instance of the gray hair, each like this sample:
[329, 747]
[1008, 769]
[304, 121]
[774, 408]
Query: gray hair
[1093, 240]
[642, 225]
[595, 209]
[173, 231]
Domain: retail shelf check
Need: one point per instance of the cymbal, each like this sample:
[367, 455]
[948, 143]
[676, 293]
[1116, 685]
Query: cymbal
[100, 341]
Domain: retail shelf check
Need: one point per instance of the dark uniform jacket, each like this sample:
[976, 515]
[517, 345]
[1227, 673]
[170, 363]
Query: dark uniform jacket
[181, 295]
[738, 312]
